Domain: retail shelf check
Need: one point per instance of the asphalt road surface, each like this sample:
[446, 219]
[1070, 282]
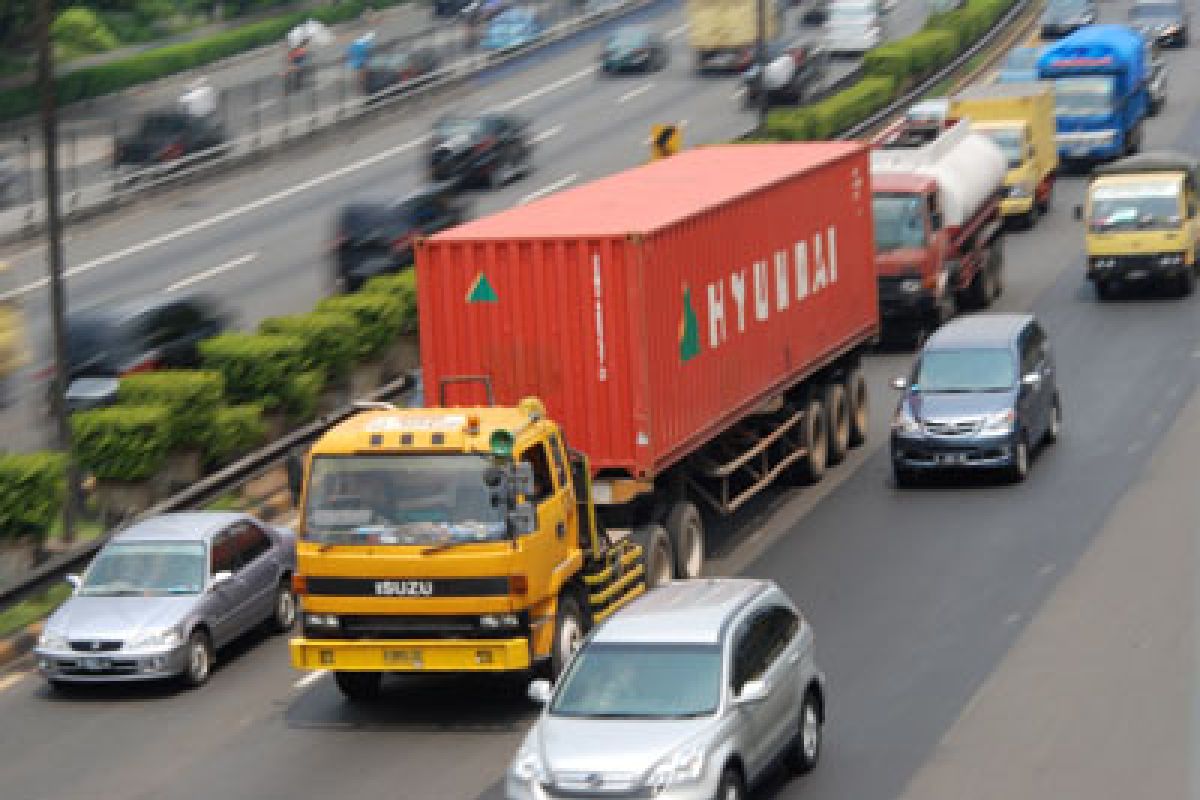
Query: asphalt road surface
[946, 617]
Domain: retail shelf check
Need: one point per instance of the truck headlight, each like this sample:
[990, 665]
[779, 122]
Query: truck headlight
[683, 766]
[998, 424]
[1104, 263]
[910, 285]
[53, 640]
[904, 422]
[1021, 189]
[1171, 259]
[321, 621]
[168, 638]
[494, 621]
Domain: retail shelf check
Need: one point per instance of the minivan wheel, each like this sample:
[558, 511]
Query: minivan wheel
[1054, 429]
[1019, 470]
[283, 616]
[806, 749]
[199, 660]
[731, 787]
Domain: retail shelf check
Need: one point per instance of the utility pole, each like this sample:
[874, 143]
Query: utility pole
[58, 298]
[760, 57]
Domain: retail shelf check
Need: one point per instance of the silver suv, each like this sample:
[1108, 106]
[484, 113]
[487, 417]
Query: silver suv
[695, 690]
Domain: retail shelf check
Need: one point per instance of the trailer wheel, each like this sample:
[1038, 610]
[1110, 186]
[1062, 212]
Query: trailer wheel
[837, 413]
[814, 438]
[656, 553]
[857, 397]
[685, 527]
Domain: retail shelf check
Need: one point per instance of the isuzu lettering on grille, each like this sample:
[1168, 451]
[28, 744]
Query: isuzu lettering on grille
[404, 588]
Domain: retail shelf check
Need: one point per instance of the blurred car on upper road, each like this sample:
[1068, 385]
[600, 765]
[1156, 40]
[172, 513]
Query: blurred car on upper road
[377, 237]
[1063, 17]
[981, 395]
[694, 691]
[386, 73]
[1167, 21]
[852, 27]
[161, 597]
[796, 73]
[12, 336]
[634, 48]
[933, 110]
[8, 181]
[489, 149]
[450, 8]
[163, 137]
[512, 29]
[1019, 66]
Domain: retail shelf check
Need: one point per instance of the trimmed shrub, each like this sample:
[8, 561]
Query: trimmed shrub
[191, 397]
[126, 443]
[234, 431]
[894, 59]
[257, 368]
[404, 287]
[932, 49]
[330, 339]
[80, 30]
[32, 490]
[379, 318]
[791, 125]
[304, 392]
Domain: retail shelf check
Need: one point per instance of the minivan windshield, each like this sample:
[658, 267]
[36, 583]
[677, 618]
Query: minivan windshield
[970, 370]
[641, 681]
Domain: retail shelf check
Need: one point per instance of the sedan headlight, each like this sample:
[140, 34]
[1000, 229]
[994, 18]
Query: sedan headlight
[168, 638]
[53, 640]
[998, 424]
[683, 766]
[904, 422]
[527, 766]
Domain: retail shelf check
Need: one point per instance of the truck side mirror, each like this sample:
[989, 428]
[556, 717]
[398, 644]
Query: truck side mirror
[522, 520]
[1078, 212]
[935, 221]
[520, 478]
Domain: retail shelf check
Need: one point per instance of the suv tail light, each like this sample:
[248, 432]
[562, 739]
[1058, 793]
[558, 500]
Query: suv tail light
[485, 144]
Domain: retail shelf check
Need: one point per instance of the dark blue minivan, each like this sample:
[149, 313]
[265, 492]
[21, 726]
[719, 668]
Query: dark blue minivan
[982, 394]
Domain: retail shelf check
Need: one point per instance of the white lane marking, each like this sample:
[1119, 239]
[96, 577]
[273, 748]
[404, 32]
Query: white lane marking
[1012, 619]
[678, 29]
[275, 197]
[554, 187]
[546, 134]
[9, 681]
[208, 273]
[310, 679]
[632, 93]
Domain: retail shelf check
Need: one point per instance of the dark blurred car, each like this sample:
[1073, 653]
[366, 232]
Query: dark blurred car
[512, 29]
[385, 73]
[1064, 17]
[1165, 20]
[167, 136]
[816, 13]
[8, 180]
[449, 8]
[490, 149]
[112, 341]
[377, 237]
[634, 48]
[795, 73]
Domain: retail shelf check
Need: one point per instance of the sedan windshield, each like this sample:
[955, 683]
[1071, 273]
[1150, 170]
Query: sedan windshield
[402, 499]
[1153, 204]
[974, 370]
[1090, 95]
[899, 222]
[146, 568]
[643, 681]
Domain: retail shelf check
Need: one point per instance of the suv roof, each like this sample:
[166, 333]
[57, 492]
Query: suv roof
[979, 330]
[693, 611]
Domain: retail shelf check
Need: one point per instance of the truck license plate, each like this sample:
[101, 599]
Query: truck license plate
[1080, 150]
[95, 664]
[952, 458]
[1136, 274]
[403, 658]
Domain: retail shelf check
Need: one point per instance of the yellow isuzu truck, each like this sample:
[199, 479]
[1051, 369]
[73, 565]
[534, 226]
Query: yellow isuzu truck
[450, 540]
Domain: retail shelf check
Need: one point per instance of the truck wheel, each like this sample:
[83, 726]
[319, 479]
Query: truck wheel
[857, 397]
[814, 438]
[1029, 221]
[1185, 282]
[656, 553]
[359, 687]
[569, 632]
[685, 527]
[837, 413]
[1105, 290]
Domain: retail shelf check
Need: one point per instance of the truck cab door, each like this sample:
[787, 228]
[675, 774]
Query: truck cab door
[552, 543]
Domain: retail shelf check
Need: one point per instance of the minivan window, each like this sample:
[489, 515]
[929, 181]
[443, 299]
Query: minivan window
[641, 681]
[969, 370]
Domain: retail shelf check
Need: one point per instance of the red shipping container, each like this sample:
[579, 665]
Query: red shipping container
[652, 310]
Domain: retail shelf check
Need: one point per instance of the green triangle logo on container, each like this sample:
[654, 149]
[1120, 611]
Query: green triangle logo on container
[481, 291]
[689, 329]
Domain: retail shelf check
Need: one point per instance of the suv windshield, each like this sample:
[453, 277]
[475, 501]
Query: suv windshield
[899, 222]
[402, 499]
[1154, 204]
[645, 681]
[146, 568]
[973, 370]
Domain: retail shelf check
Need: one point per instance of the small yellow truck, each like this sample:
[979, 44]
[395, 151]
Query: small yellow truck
[1019, 118]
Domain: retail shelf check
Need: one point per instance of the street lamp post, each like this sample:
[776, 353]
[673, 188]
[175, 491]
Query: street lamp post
[760, 57]
[58, 298]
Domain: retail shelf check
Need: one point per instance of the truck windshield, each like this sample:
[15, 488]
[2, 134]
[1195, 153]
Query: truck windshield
[1135, 206]
[641, 681]
[899, 222]
[402, 499]
[1011, 142]
[965, 371]
[1083, 95]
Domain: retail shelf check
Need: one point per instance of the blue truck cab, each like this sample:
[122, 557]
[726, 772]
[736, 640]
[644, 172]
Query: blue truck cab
[1101, 97]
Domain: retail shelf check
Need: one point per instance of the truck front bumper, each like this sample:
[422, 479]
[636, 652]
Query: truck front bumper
[1016, 206]
[411, 655]
[1133, 268]
[905, 299]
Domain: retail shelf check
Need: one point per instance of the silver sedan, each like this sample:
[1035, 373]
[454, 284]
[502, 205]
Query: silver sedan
[162, 596]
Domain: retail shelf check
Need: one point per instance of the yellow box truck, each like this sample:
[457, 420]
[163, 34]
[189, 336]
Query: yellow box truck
[1019, 118]
[724, 33]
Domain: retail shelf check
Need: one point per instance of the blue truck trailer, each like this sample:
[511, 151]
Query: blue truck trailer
[1100, 75]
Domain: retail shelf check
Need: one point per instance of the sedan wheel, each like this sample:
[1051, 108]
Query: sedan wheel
[284, 614]
[199, 659]
[731, 787]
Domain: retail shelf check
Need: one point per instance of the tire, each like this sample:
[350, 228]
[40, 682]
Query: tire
[1030, 218]
[860, 406]
[1019, 470]
[1054, 429]
[359, 687]
[1104, 291]
[570, 628]
[200, 660]
[1185, 282]
[656, 552]
[815, 440]
[805, 750]
[837, 414]
[685, 527]
[283, 612]
[905, 478]
[731, 787]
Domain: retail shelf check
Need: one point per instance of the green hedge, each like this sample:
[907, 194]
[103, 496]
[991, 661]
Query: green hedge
[258, 368]
[304, 393]
[32, 489]
[404, 287]
[330, 339]
[126, 443]
[234, 431]
[153, 64]
[380, 318]
[191, 397]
